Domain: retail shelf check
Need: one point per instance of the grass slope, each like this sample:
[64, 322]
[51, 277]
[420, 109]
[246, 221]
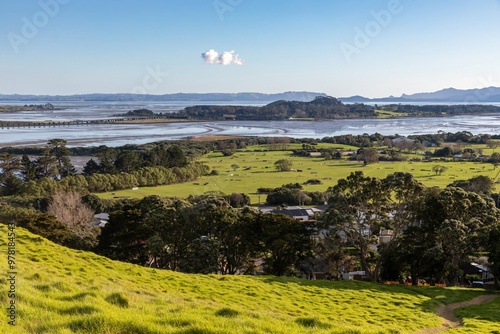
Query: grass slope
[59, 290]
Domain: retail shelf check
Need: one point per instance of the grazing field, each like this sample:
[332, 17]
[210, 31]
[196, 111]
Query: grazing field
[252, 168]
[59, 290]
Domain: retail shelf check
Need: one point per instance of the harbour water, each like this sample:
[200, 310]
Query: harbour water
[121, 134]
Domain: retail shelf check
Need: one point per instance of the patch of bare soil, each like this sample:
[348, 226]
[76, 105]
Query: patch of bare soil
[449, 320]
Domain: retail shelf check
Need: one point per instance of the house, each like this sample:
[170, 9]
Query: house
[385, 236]
[229, 117]
[479, 269]
[354, 275]
[296, 212]
[100, 219]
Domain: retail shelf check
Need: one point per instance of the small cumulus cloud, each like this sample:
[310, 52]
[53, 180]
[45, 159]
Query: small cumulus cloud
[225, 58]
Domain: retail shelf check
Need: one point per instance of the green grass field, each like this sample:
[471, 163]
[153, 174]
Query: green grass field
[256, 169]
[65, 291]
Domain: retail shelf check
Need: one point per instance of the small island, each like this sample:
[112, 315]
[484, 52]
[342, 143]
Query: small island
[26, 107]
[321, 108]
[138, 113]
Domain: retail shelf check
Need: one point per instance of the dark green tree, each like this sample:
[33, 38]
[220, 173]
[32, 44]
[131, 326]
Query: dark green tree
[28, 169]
[9, 164]
[358, 209]
[283, 165]
[10, 185]
[125, 236]
[286, 242]
[176, 157]
[58, 149]
[128, 161]
[107, 157]
[494, 254]
[91, 167]
[480, 184]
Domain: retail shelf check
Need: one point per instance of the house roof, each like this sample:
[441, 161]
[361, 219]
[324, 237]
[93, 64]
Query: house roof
[99, 223]
[295, 212]
[102, 215]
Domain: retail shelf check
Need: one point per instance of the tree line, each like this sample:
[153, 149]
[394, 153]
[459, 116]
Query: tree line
[429, 232]
[114, 170]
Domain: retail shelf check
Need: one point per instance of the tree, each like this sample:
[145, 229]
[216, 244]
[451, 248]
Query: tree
[176, 157]
[358, 209]
[201, 256]
[10, 185]
[438, 169]
[286, 242]
[495, 158]
[494, 254]
[491, 143]
[158, 156]
[127, 161]
[480, 184]
[9, 164]
[444, 152]
[57, 149]
[91, 167]
[107, 157]
[238, 200]
[125, 235]
[172, 227]
[283, 165]
[28, 169]
[43, 224]
[404, 202]
[452, 225]
[278, 143]
[287, 196]
[367, 155]
[46, 166]
[69, 209]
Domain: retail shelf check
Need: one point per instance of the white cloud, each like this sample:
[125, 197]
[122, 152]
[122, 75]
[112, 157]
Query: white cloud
[225, 58]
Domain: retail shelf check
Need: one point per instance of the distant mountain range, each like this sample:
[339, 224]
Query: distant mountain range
[465, 96]
[216, 97]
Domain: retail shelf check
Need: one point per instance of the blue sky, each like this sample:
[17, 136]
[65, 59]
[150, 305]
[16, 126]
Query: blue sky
[368, 47]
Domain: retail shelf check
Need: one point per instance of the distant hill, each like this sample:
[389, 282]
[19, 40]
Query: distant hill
[464, 96]
[326, 107]
[322, 107]
[221, 97]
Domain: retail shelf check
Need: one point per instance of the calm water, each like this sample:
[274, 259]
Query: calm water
[121, 134]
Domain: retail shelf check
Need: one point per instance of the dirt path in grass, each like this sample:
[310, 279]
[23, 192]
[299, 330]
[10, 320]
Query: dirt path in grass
[449, 320]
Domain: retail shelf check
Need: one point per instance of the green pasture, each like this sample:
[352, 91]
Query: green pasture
[58, 290]
[389, 114]
[247, 170]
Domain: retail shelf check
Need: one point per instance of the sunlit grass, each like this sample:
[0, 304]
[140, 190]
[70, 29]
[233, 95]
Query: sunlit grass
[256, 169]
[66, 291]
[480, 319]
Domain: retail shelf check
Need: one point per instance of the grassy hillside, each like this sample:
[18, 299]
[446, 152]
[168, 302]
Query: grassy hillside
[256, 169]
[63, 291]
